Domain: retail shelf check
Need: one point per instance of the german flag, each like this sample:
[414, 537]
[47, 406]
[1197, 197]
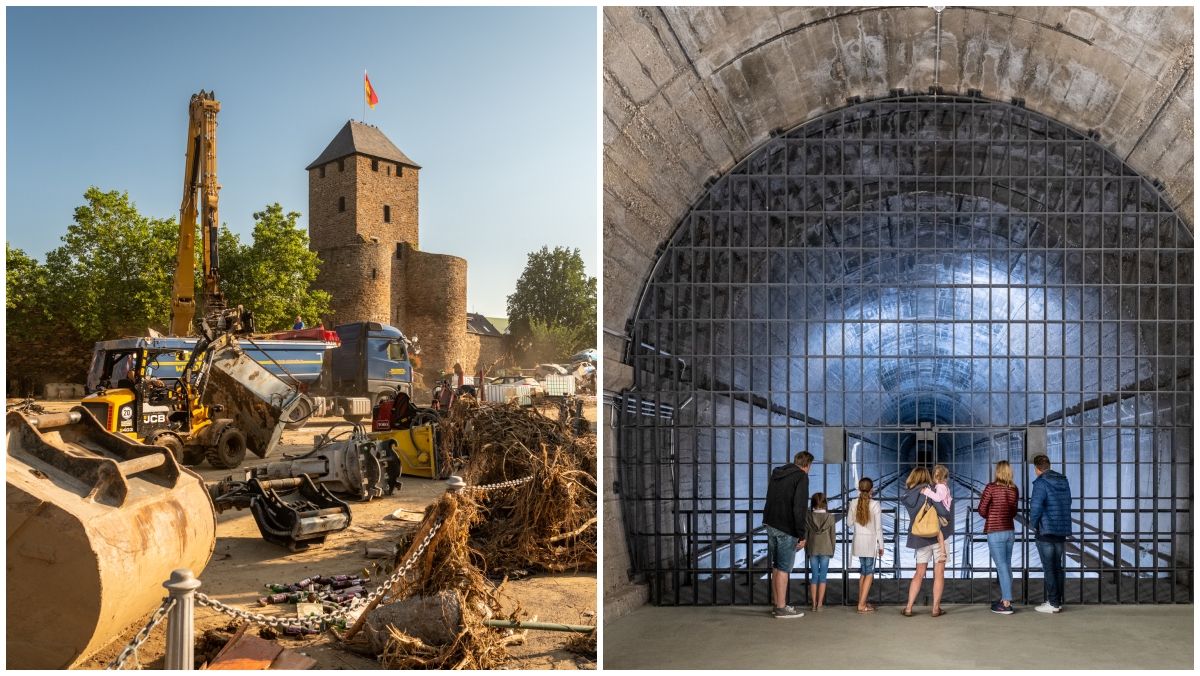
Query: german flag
[372, 99]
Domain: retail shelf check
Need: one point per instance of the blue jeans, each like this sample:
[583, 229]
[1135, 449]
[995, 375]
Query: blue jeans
[1054, 564]
[866, 565]
[820, 568]
[1000, 545]
[781, 547]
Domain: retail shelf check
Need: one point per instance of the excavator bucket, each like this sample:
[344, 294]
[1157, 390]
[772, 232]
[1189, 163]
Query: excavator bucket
[96, 522]
[258, 401]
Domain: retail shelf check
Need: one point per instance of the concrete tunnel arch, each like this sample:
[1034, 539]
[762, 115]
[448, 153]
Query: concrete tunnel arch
[675, 146]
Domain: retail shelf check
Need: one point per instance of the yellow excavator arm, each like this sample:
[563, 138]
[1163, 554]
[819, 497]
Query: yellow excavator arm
[201, 193]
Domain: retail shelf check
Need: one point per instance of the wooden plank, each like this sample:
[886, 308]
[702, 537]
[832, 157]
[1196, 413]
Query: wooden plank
[290, 659]
[236, 635]
[250, 653]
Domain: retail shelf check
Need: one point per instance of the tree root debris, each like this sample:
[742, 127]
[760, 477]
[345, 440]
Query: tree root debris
[545, 524]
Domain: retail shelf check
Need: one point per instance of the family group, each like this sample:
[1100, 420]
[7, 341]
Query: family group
[795, 521]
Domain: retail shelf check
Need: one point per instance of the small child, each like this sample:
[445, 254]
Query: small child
[819, 547]
[940, 493]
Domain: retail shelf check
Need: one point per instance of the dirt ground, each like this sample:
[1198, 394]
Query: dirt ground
[242, 563]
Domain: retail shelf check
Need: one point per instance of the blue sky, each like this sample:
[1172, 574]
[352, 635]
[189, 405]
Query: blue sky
[497, 105]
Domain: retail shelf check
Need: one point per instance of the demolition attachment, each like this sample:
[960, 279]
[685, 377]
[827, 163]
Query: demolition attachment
[292, 500]
[293, 513]
[359, 466]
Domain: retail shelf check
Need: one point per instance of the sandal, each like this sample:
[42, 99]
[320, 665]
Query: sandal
[939, 612]
[906, 613]
[869, 609]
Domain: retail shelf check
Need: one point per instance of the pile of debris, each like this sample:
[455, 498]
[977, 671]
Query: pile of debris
[437, 614]
[548, 524]
[443, 604]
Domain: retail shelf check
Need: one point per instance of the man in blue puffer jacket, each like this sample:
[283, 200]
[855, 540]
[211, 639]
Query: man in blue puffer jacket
[1050, 517]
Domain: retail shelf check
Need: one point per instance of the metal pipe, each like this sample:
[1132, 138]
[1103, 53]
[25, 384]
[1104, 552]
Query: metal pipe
[545, 626]
[937, 58]
[180, 630]
[44, 422]
[142, 464]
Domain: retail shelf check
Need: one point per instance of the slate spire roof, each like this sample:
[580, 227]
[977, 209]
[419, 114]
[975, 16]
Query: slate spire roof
[361, 139]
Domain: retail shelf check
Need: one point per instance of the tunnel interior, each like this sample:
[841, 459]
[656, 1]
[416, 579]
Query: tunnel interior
[911, 281]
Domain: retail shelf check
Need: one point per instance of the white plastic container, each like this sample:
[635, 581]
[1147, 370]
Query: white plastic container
[560, 386]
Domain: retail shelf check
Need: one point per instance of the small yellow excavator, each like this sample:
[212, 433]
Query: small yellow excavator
[133, 388]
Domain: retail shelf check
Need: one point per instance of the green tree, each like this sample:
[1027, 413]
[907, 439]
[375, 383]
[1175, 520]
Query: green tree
[551, 343]
[25, 295]
[112, 275]
[272, 276]
[555, 291]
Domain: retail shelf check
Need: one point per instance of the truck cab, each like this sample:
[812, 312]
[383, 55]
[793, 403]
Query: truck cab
[372, 362]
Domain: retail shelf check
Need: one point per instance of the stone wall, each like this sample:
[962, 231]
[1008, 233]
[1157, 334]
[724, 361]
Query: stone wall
[492, 349]
[435, 308]
[327, 226]
[358, 276]
[377, 188]
[60, 358]
[399, 280]
[483, 351]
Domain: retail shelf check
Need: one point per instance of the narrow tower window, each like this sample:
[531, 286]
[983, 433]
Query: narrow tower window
[399, 249]
[387, 214]
[374, 272]
[389, 170]
[322, 171]
[374, 165]
[399, 171]
[341, 204]
[341, 165]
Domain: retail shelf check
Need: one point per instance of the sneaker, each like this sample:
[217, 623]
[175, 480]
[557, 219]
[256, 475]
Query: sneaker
[787, 612]
[999, 607]
[1047, 608]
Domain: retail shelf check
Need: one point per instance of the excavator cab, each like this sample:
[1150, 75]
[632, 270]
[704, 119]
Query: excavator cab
[130, 394]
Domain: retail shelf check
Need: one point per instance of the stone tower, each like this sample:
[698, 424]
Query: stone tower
[363, 224]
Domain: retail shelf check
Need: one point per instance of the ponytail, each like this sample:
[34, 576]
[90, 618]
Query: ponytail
[862, 512]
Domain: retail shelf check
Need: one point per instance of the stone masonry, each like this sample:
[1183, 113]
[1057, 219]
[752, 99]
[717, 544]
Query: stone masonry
[363, 223]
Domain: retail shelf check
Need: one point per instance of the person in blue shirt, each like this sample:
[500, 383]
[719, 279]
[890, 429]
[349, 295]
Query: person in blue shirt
[298, 325]
[1050, 518]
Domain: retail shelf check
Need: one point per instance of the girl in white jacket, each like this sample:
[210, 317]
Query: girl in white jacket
[868, 539]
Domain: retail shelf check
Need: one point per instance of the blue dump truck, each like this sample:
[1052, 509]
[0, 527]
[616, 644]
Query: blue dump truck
[342, 372]
[369, 362]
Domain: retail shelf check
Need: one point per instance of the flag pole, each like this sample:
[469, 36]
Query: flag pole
[364, 97]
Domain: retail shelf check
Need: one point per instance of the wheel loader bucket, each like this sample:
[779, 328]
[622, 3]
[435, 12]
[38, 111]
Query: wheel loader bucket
[96, 522]
[258, 401]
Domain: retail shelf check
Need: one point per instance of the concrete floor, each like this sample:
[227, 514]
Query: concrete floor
[968, 637]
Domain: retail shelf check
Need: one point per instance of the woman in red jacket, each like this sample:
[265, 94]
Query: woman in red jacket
[998, 506]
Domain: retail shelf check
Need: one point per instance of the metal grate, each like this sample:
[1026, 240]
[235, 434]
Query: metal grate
[970, 265]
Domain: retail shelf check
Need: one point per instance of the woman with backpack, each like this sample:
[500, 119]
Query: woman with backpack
[926, 518]
[998, 506]
[866, 518]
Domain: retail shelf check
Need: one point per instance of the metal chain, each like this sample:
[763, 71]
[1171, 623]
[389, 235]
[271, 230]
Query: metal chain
[503, 484]
[276, 621]
[140, 637]
[315, 621]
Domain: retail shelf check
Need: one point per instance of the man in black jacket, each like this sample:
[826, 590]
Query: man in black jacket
[785, 516]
